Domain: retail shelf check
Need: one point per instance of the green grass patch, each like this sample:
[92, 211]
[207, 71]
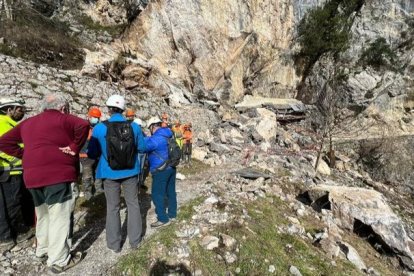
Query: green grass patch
[113, 30]
[32, 36]
[383, 264]
[187, 210]
[151, 251]
[260, 245]
[154, 250]
[195, 167]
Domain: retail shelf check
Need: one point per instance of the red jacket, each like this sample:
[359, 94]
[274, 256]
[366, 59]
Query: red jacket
[42, 135]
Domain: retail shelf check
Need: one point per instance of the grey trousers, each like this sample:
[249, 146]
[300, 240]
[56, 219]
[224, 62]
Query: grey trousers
[87, 177]
[112, 190]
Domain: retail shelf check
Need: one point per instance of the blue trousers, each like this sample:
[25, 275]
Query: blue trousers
[163, 189]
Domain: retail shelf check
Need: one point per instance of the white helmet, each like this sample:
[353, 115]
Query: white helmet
[10, 102]
[116, 101]
[139, 122]
[153, 120]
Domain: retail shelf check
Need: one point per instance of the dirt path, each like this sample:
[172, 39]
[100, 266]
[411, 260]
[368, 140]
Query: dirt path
[89, 235]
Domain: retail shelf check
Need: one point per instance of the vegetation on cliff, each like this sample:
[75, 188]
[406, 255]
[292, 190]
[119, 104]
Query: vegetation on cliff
[326, 29]
[35, 37]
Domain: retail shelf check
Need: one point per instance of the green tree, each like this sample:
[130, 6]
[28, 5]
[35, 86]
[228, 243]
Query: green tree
[378, 55]
[326, 29]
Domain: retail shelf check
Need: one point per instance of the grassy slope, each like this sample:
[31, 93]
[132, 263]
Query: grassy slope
[261, 245]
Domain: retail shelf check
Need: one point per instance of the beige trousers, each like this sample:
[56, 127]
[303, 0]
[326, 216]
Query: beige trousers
[52, 231]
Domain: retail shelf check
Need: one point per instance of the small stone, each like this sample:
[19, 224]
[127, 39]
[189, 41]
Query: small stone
[15, 262]
[198, 272]
[5, 264]
[210, 242]
[17, 248]
[180, 176]
[295, 229]
[9, 271]
[228, 241]
[272, 268]
[294, 271]
[372, 271]
[230, 258]
[238, 270]
[321, 235]
[293, 220]
[189, 232]
[352, 255]
[300, 212]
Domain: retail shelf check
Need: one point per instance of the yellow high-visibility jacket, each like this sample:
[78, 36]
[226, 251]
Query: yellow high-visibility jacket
[178, 134]
[6, 161]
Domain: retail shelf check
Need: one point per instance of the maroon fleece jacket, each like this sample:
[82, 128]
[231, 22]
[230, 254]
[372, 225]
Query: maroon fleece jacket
[42, 135]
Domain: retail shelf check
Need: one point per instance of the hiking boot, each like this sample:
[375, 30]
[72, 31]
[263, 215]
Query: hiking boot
[115, 250]
[41, 259]
[159, 224]
[6, 245]
[74, 260]
[25, 236]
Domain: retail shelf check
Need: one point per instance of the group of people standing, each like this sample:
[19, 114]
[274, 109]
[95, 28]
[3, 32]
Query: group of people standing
[51, 146]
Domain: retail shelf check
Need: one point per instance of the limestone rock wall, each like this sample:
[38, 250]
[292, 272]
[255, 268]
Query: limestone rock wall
[378, 98]
[217, 50]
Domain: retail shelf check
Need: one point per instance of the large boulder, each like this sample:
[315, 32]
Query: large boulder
[359, 206]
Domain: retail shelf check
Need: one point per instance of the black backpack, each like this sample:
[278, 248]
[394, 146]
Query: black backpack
[120, 145]
[174, 152]
[174, 155]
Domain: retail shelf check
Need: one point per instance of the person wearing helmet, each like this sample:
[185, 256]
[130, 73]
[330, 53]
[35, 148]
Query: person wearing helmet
[52, 141]
[164, 118]
[163, 176]
[130, 115]
[143, 159]
[116, 143]
[188, 144]
[178, 133]
[88, 164]
[15, 199]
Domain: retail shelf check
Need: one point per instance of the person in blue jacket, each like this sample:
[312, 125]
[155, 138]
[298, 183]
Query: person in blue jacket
[163, 176]
[113, 179]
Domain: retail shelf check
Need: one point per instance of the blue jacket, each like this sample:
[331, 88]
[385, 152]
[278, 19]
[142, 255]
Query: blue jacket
[157, 147]
[97, 148]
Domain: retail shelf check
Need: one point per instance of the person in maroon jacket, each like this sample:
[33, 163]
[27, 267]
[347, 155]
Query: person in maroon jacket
[52, 141]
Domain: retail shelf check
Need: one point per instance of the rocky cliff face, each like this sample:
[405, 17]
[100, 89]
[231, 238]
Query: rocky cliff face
[221, 65]
[205, 50]
[379, 96]
[219, 51]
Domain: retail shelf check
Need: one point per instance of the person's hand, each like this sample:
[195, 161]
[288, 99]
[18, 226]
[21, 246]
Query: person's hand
[67, 150]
